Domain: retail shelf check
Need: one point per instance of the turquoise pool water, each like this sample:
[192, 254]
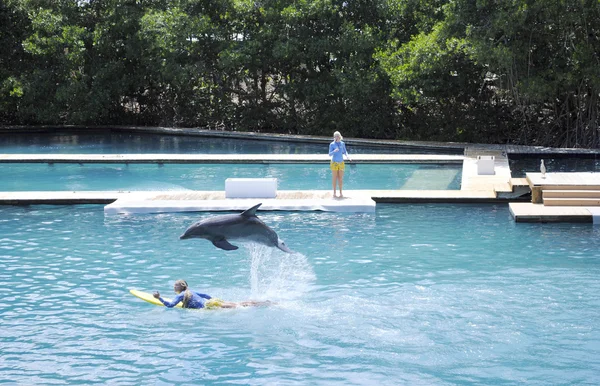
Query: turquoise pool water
[413, 294]
[74, 177]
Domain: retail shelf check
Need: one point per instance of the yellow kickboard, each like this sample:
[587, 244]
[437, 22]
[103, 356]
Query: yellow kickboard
[150, 298]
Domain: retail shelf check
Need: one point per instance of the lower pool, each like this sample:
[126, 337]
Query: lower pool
[412, 294]
[75, 177]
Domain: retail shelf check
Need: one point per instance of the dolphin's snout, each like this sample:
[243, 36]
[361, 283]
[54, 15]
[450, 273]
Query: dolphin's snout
[281, 245]
[194, 231]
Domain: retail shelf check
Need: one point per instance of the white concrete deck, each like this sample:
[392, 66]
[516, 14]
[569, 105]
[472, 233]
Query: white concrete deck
[559, 209]
[530, 212]
[348, 204]
[302, 200]
[582, 180]
[498, 182]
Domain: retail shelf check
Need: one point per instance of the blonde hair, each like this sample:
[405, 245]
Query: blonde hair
[337, 134]
[187, 295]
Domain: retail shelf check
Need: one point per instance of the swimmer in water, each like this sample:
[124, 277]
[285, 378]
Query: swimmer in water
[193, 299]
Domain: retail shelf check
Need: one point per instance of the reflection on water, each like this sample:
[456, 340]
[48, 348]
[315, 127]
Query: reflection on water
[122, 142]
[520, 166]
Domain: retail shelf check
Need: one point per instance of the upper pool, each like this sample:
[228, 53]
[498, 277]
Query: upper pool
[109, 142]
[75, 177]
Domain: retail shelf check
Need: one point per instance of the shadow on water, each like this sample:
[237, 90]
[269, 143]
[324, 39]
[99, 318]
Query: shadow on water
[520, 165]
[101, 141]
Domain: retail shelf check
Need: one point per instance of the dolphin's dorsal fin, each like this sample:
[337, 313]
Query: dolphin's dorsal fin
[251, 212]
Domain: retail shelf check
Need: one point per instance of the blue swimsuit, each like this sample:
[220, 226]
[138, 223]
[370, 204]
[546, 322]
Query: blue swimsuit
[338, 156]
[197, 300]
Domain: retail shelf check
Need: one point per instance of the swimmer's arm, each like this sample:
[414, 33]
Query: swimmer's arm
[205, 296]
[173, 302]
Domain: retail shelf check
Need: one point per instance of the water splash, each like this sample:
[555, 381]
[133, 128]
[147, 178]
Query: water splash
[278, 275]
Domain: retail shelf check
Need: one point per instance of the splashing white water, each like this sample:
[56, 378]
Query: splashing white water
[278, 275]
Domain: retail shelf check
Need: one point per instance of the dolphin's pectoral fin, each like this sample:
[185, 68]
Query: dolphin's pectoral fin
[224, 244]
[250, 212]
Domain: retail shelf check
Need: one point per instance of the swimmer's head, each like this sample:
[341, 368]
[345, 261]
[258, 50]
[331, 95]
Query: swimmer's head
[180, 286]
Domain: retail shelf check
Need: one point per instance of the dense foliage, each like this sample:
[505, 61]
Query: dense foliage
[500, 71]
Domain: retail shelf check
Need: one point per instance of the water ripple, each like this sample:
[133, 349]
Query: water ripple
[403, 296]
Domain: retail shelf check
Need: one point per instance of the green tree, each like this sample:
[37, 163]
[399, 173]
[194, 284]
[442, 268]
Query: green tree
[543, 58]
[517, 71]
[14, 27]
[306, 66]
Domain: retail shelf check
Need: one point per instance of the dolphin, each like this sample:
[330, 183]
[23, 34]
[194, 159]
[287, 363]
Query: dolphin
[243, 226]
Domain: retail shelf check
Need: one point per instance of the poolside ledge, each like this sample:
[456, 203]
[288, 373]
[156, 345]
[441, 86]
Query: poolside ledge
[349, 205]
[225, 158]
[319, 198]
[531, 212]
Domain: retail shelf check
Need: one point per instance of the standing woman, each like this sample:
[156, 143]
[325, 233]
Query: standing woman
[337, 149]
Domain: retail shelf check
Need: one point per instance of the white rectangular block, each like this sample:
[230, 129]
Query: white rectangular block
[251, 187]
[485, 165]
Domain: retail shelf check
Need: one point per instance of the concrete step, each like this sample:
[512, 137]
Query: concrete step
[514, 182]
[517, 187]
[529, 212]
[570, 187]
[571, 201]
[579, 193]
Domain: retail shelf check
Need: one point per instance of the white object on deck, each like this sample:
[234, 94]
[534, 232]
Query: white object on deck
[485, 165]
[251, 188]
[129, 206]
[543, 169]
[595, 211]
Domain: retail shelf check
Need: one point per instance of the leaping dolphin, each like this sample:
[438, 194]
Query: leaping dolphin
[243, 226]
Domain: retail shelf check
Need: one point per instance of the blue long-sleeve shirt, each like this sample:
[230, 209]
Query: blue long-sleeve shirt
[337, 156]
[197, 300]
